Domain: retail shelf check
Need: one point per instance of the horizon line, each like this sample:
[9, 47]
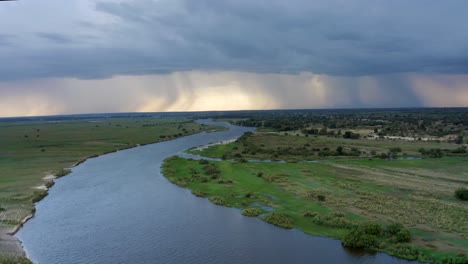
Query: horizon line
[240, 110]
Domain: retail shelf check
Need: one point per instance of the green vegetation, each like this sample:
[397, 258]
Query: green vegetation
[32, 151]
[9, 259]
[462, 194]
[448, 124]
[402, 204]
[279, 219]
[252, 212]
[279, 146]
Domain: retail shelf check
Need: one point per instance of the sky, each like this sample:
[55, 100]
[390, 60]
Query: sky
[88, 56]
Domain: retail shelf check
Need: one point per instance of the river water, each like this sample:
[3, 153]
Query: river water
[118, 208]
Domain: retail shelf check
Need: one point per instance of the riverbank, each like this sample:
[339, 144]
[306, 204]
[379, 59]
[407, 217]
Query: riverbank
[333, 197]
[32, 150]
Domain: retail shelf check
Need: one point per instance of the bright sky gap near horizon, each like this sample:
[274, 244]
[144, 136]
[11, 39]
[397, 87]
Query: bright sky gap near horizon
[86, 56]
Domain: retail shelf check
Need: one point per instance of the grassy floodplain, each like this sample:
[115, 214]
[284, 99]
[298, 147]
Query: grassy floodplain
[336, 194]
[32, 153]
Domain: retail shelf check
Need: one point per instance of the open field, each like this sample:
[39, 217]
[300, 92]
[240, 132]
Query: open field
[33, 152]
[338, 193]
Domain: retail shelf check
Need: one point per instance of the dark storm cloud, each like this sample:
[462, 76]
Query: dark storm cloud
[6, 39]
[349, 38]
[54, 37]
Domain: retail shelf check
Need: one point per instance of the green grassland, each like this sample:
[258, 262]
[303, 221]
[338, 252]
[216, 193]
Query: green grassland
[337, 195]
[32, 150]
[297, 147]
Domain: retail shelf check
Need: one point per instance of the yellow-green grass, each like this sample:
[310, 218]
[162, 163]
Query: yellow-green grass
[344, 193]
[29, 151]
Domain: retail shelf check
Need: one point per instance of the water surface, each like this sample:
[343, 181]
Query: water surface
[118, 208]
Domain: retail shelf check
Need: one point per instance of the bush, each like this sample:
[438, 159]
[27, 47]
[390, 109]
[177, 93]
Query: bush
[351, 135]
[280, 219]
[462, 194]
[49, 184]
[395, 150]
[455, 260]
[392, 229]
[211, 169]
[39, 195]
[221, 181]
[203, 162]
[403, 236]
[404, 251]
[199, 193]
[218, 200]
[333, 220]
[9, 259]
[358, 239]
[372, 228]
[310, 214]
[252, 212]
[321, 197]
[62, 173]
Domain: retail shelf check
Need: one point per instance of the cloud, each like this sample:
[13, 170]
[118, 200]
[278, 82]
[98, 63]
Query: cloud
[54, 37]
[227, 90]
[92, 39]
[5, 39]
[441, 90]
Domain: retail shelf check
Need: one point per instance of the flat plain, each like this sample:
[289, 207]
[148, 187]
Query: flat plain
[33, 153]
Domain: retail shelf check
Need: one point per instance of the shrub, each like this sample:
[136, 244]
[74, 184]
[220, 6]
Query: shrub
[250, 195]
[455, 260]
[62, 173]
[321, 197]
[403, 236]
[252, 212]
[280, 219]
[199, 193]
[351, 135]
[332, 221]
[404, 251]
[2, 209]
[39, 195]
[49, 184]
[310, 214]
[211, 169]
[203, 162]
[462, 194]
[395, 149]
[218, 200]
[392, 229]
[372, 228]
[358, 239]
[221, 181]
[10, 259]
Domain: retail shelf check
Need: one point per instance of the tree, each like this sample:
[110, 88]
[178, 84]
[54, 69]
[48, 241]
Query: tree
[351, 135]
[339, 150]
[462, 194]
[359, 239]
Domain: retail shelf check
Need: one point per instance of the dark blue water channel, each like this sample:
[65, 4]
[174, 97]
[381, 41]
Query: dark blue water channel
[118, 208]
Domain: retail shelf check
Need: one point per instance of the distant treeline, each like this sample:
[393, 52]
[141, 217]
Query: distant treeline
[434, 122]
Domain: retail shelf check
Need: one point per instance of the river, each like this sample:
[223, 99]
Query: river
[118, 208]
